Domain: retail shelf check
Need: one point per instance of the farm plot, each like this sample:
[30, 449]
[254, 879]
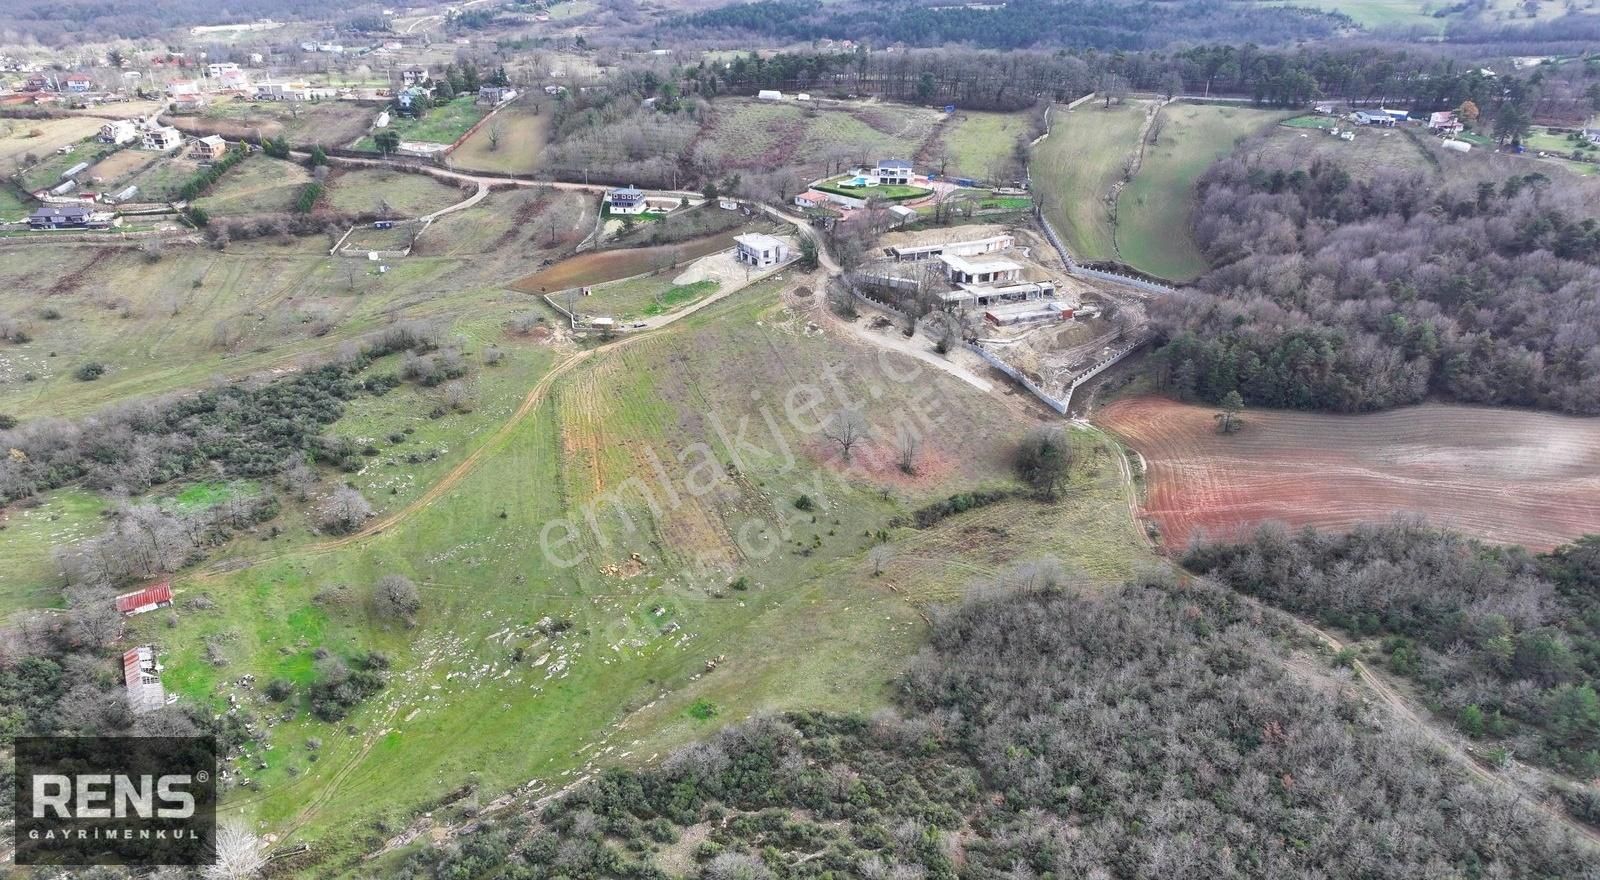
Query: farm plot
[325, 123]
[14, 204]
[51, 169]
[598, 267]
[983, 146]
[1075, 169]
[1155, 210]
[441, 124]
[41, 137]
[511, 142]
[164, 178]
[258, 185]
[1505, 476]
[745, 133]
[389, 193]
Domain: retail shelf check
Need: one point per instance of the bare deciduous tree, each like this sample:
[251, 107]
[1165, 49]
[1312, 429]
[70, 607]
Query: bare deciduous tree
[880, 556]
[908, 445]
[395, 596]
[239, 854]
[344, 510]
[847, 428]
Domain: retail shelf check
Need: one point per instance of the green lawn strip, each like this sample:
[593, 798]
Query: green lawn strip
[29, 577]
[1155, 211]
[980, 144]
[440, 124]
[1074, 169]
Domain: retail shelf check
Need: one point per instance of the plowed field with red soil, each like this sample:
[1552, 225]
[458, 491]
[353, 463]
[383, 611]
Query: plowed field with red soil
[1505, 476]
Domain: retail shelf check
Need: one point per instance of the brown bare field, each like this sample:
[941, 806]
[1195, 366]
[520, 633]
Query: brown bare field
[598, 267]
[1506, 476]
[121, 164]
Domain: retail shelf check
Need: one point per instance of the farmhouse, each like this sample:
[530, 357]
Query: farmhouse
[969, 248]
[148, 599]
[210, 148]
[142, 675]
[216, 70]
[119, 132]
[495, 94]
[79, 82]
[162, 138]
[728, 203]
[960, 270]
[64, 217]
[626, 200]
[893, 172]
[1445, 121]
[183, 88]
[415, 76]
[760, 250]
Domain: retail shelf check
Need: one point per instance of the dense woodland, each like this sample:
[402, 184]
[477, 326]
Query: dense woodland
[1331, 292]
[65, 22]
[1100, 24]
[1148, 733]
[1504, 643]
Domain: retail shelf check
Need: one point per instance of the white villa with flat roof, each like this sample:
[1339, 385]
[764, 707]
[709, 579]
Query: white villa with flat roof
[961, 270]
[760, 250]
[893, 172]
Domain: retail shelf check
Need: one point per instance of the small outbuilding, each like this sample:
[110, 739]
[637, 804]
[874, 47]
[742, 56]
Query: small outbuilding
[148, 599]
[141, 673]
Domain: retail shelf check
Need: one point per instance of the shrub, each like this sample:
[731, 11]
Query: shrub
[89, 372]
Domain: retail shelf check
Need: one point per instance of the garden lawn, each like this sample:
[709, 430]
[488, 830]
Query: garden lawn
[441, 124]
[522, 138]
[405, 195]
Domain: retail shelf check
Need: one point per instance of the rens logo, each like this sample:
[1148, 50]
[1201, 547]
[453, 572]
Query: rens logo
[107, 796]
[133, 801]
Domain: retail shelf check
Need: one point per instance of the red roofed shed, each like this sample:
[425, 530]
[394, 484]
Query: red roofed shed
[148, 599]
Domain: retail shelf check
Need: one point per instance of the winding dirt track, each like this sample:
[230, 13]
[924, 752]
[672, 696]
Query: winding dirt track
[1506, 476]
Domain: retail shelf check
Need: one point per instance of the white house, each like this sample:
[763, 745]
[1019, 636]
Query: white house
[769, 95]
[119, 132]
[142, 676]
[625, 200]
[728, 203]
[183, 88]
[760, 250]
[215, 71]
[961, 270]
[79, 82]
[893, 172]
[162, 138]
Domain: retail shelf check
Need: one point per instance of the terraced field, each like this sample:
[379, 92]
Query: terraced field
[1505, 476]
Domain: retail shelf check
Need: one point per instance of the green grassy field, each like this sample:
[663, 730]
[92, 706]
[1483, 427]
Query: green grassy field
[807, 626]
[643, 297]
[260, 305]
[983, 145]
[1075, 167]
[14, 204]
[522, 138]
[29, 577]
[405, 195]
[329, 123]
[256, 185]
[1155, 211]
[441, 124]
[1383, 14]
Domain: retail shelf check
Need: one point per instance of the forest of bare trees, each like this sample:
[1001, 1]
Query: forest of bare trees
[1336, 293]
[1505, 643]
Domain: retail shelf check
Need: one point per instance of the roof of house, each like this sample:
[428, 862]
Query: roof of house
[902, 211]
[213, 140]
[625, 193]
[151, 595]
[894, 163]
[78, 77]
[971, 267]
[759, 241]
[58, 212]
